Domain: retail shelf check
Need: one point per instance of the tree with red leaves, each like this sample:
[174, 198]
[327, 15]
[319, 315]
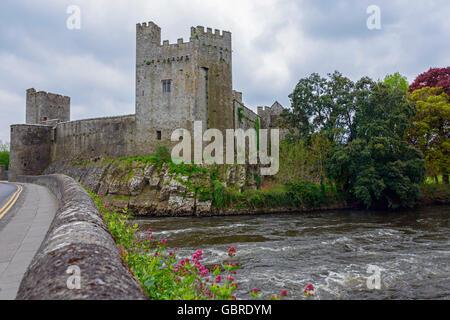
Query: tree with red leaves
[435, 77]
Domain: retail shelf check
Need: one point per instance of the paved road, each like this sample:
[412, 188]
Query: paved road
[6, 191]
[22, 230]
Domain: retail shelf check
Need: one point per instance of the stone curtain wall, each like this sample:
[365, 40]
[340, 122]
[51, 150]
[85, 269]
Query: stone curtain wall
[76, 237]
[111, 137]
[30, 152]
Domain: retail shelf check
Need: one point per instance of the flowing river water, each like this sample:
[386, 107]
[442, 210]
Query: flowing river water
[332, 250]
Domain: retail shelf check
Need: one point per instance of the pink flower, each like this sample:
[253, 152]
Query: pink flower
[149, 231]
[255, 290]
[205, 272]
[218, 279]
[232, 251]
[164, 241]
[309, 290]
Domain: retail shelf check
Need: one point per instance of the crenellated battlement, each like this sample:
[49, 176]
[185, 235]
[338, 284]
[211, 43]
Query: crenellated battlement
[49, 95]
[43, 106]
[218, 34]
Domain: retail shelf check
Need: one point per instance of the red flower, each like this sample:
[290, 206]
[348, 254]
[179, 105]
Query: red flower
[232, 251]
[283, 293]
[309, 290]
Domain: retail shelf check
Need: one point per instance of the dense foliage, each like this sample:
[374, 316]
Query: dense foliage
[365, 123]
[396, 81]
[435, 77]
[430, 129]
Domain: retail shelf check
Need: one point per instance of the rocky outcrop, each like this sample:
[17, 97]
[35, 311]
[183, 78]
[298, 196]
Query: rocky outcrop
[77, 241]
[148, 189]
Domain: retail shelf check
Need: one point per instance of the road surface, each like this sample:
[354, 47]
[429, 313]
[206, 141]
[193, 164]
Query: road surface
[27, 211]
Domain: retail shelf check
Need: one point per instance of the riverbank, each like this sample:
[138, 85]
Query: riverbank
[154, 187]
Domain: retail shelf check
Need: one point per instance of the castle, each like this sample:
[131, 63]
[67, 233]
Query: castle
[176, 84]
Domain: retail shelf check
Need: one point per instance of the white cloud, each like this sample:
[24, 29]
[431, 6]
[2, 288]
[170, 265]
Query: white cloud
[275, 43]
[11, 111]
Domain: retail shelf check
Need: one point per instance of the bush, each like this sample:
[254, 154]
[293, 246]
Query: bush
[308, 193]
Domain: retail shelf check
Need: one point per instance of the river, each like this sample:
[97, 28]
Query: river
[332, 250]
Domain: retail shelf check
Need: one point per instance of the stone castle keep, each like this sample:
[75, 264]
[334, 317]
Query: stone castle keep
[176, 84]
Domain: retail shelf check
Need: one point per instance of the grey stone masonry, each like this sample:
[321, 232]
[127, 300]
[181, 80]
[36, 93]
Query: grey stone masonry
[44, 107]
[77, 241]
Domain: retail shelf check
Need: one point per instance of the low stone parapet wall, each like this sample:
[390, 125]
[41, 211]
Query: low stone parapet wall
[78, 245]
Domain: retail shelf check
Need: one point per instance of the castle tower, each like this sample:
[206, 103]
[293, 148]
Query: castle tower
[177, 84]
[46, 108]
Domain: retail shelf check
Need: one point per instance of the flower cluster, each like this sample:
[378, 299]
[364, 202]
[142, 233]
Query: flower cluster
[309, 290]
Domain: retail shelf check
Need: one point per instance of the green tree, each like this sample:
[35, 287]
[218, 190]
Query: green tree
[430, 129]
[4, 154]
[377, 166]
[396, 81]
[325, 105]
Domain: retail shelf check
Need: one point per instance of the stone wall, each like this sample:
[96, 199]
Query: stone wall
[200, 72]
[44, 106]
[248, 117]
[76, 238]
[88, 139]
[269, 115]
[30, 149]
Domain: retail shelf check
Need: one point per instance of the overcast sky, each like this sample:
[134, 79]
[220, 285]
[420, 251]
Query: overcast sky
[275, 43]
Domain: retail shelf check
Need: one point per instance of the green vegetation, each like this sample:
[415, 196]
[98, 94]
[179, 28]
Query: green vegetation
[257, 127]
[240, 113]
[430, 129]
[435, 193]
[4, 154]
[295, 195]
[396, 81]
[370, 140]
[161, 274]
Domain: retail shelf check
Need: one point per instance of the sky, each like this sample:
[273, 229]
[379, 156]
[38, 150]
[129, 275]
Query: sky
[275, 43]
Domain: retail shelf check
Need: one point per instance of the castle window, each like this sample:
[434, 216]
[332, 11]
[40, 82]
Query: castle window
[166, 86]
[158, 135]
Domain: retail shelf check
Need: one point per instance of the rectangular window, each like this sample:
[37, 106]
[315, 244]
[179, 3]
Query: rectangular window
[158, 135]
[166, 85]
